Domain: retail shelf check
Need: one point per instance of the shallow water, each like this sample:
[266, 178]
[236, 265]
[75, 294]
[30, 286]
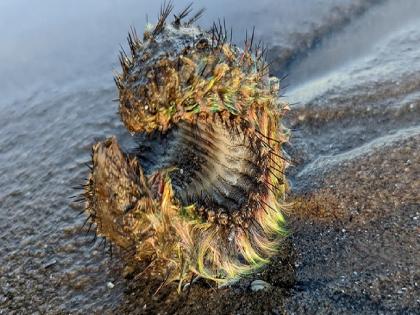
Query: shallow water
[355, 88]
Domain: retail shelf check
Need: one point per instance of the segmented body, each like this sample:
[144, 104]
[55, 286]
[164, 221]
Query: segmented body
[210, 203]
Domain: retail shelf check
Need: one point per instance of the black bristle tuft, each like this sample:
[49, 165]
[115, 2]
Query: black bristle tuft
[252, 39]
[124, 61]
[118, 82]
[196, 16]
[133, 41]
[165, 10]
[225, 29]
[131, 44]
[184, 13]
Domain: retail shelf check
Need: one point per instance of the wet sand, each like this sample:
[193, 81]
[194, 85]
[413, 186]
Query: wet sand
[354, 224]
[353, 248]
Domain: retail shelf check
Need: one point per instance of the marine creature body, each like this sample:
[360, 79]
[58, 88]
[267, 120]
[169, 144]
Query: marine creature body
[203, 194]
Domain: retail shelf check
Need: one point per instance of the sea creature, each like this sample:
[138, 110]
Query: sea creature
[203, 194]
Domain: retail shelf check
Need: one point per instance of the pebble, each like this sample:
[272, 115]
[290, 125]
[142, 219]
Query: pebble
[49, 264]
[258, 285]
[110, 285]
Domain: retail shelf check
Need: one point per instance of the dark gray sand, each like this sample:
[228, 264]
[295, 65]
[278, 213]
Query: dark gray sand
[354, 218]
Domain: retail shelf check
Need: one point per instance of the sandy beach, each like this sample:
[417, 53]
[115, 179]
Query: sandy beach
[354, 220]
